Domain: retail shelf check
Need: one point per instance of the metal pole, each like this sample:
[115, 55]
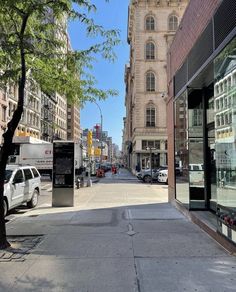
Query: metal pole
[89, 183]
[100, 134]
[151, 162]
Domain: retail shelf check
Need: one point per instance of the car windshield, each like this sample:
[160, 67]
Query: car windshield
[8, 173]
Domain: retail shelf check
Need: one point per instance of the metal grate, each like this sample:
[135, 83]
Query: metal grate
[180, 78]
[224, 20]
[201, 51]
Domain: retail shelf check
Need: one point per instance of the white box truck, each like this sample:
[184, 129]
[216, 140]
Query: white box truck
[40, 156]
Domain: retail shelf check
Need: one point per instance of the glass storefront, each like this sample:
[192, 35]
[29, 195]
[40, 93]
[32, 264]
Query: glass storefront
[196, 153]
[181, 150]
[205, 137]
[225, 125]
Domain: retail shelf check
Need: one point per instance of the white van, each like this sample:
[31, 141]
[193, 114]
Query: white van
[21, 185]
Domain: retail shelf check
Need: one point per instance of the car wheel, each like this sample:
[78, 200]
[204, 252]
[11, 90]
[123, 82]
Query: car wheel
[5, 207]
[34, 200]
[167, 182]
[147, 179]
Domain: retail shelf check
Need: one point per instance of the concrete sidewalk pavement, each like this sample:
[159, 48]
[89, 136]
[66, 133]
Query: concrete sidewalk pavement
[119, 237]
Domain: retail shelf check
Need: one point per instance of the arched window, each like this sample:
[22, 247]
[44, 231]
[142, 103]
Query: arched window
[150, 51]
[173, 22]
[150, 81]
[150, 116]
[150, 23]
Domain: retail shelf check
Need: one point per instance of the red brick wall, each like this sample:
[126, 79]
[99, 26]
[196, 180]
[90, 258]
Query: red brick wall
[194, 21]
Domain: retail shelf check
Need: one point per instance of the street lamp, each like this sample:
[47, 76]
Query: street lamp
[100, 133]
[151, 149]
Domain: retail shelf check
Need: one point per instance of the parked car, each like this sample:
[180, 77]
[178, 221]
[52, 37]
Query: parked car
[145, 175]
[141, 173]
[163, 176]
[22, 185]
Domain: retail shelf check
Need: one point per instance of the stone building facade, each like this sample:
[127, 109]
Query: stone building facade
[151, 28]
[73, 123]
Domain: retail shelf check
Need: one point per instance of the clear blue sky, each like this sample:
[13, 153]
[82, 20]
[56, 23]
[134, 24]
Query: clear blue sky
[108, 75]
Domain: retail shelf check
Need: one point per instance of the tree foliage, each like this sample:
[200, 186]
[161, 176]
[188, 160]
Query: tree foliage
[39, 27]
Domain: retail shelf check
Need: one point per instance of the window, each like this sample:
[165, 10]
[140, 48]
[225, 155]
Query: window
[150, 144]
[197, 117]
[28, 174]
[166, 144]
[150, 81]
[150, 51]
[4, 113]
[173, 22]
[150, 23]
[35, 172]
[18, 176]
[150, 117]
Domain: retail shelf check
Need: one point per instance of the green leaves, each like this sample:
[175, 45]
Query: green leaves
[38, 30]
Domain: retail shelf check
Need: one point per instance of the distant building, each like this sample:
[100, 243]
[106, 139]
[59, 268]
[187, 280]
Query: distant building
[73, 123]
[48, 116]
[151, 28]
[44, 116]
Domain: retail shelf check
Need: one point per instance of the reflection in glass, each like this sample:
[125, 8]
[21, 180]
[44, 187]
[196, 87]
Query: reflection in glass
[225, 124]
[181, 150]
[196, 156]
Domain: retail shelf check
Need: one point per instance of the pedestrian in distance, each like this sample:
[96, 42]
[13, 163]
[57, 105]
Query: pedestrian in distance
[113, 169]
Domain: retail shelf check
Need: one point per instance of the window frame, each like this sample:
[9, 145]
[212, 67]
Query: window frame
[150, 23]
[150, 117]
[172, 23]
[150, 79]
[150, 51]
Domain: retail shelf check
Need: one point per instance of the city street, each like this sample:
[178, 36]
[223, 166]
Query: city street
[130, 107]
[121, 235]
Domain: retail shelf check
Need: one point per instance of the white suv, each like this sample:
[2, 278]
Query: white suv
[22, 185]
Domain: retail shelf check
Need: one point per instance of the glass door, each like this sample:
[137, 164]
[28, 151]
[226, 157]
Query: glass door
[211, 170]
[196, 153]
[211, 153]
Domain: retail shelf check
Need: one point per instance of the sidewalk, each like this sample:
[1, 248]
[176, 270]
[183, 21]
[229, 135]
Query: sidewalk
[121, 236]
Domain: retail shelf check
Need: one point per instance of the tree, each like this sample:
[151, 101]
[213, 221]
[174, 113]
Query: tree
[34, 45]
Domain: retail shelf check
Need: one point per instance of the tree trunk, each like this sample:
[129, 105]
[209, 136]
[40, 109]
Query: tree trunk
[7, 145]
[5, 152]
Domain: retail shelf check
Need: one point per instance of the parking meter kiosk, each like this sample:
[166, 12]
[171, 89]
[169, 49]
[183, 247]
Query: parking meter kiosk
[63, 174]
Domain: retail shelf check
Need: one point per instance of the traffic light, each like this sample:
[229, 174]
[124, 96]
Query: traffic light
[90, 139]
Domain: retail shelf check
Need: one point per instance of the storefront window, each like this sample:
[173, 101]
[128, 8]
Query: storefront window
[181, 150]
[196, 153]
[225, 125]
